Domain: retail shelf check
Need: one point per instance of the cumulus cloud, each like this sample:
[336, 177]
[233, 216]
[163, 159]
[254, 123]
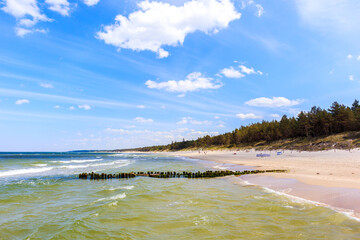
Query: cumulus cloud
[26, 12]
[91, 2]
[84, 106]
[249, 71]
[146, 137]
[159, 24]
[21, 32]
[190, 120]
[140, 106]
[57, 107]
[349, 56]
[71, 108]
[358, 58]
[46, 85]
[60, 6]
[351, 77]
[248, 116]
[231, 73]
[275, 115]
[272, 102]
[143, 120]
[22, 101]
[193, 82]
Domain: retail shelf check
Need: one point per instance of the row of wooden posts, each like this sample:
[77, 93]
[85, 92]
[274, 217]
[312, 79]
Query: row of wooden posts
[207, 174]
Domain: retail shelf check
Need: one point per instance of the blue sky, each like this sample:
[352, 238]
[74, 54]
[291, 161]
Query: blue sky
[105, 74]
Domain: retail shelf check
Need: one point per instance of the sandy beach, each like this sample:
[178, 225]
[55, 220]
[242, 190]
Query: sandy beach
[329, 177]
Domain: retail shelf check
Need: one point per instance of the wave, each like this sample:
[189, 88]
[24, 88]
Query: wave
[347, 212]
[80, 161]
[119, 196]
[220, 167]
[124, 187]
[123, 162]
[55, 170]
[40, 164]
[24, 171]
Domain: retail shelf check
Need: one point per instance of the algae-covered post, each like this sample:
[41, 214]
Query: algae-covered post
[207, 174]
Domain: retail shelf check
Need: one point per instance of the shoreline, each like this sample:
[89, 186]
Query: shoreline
[328, 177]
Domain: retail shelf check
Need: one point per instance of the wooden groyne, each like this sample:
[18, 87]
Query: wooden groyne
[207, 174]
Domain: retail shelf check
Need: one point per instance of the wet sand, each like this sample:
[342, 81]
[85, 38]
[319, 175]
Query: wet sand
[328, 177]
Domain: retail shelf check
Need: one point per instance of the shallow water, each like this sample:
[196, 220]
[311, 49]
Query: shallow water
[41, 198]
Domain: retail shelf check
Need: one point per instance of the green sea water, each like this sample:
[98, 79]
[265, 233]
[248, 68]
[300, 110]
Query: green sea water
[42, 198]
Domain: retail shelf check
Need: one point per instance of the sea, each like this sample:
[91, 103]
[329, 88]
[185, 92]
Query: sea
[41, 197]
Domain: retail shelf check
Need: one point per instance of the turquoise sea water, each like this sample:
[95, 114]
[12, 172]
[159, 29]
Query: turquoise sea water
[42, 198]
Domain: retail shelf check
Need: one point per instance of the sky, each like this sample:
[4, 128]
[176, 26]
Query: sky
[109, 74]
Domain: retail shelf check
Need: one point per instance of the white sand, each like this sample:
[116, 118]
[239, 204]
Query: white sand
[328, 177]
[337, 168]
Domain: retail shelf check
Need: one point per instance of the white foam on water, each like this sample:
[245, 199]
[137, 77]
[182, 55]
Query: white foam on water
[62, 168]
[220, 167]
[80, 161]
[123, 187]
[119, 196]
[113, 204]
[23, 171]
[121, 163]
[40, 165]
[347, 212]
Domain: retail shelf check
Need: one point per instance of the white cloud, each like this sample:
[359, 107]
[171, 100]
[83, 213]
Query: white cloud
[231, 73]
[56, 106]
[248, 116]
[46, 85]
[349, 56]
[159, 24]
[249, 71]
[59, 6]
[140, 106]
[22, 101]
[184, 120]
[150, 137]
[26, 12]
[190, 120]
[84, 106]
[163, 107]
[260, 10]
[130, 126]
[71, 108]
[330, 15]
[351, 77]
[194, 81]
[216, 117]
[143, 120]
[358, 58]
[272, 102]
[275, 115]
[91, 2]
[21, 32]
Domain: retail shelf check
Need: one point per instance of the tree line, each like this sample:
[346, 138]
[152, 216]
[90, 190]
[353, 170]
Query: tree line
[317, 122]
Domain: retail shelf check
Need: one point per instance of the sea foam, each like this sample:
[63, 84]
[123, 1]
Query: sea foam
[23, 171]
[119, 196]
